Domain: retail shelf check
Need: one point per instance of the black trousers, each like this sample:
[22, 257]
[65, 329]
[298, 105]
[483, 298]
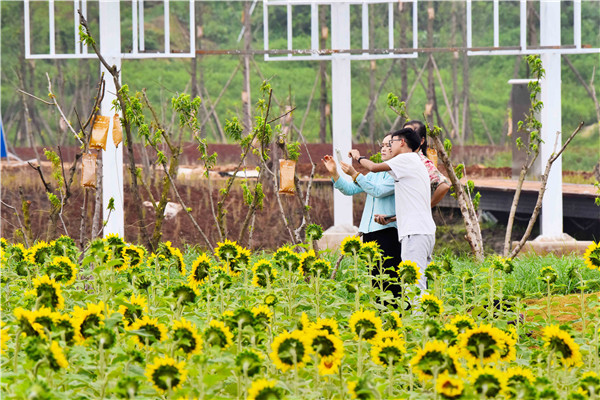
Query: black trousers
[388, 242]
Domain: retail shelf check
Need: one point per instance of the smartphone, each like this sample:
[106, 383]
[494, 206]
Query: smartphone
[387, 218]
[338, 154]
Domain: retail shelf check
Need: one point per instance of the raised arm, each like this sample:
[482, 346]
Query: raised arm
[368, 164]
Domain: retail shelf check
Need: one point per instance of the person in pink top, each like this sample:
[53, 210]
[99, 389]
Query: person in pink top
[439, 183]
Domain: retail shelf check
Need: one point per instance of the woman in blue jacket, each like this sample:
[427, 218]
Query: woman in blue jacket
[379, 187]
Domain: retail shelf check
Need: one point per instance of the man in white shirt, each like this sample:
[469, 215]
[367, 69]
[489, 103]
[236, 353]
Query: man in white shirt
[416, 229]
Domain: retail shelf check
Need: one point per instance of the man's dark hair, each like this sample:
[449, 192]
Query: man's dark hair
[421, 130]
[411, 137]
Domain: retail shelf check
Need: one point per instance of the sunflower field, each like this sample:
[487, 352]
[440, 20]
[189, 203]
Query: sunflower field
[116, 321]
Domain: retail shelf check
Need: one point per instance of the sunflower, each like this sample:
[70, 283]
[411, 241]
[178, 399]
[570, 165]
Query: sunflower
[40, 253]
[508, 351]
[448, 334]
[483, 343]
[65, 246]
[313, 232]
[329, 365]
[502, 264]
[56, 357]
[362, 389]
[153, 331]
[262, 314]
[328, 324]
[436, 356]
[27, 323]
[241, 262]
[48, 292]
[262, 389]
[227, 251]
[318, 268]
[185, 293]
[281, 254]
[4, 338]
[520, 383]
[185, 337]
[350, 246]
[591, 257]
[133, 309]
[562, 344]
[488, 382]
[448, 387]
[15, 253]
[304, 324]
[157, 261]
[104, 337]
[217, 334]
[365, 325]
[62, 269]
[270, 299]
[114, 245]
[431, 305]
[200, 269]
[433, 271]
[369, 251]
[548, 275]
[166, 373]
[241, 318]
[263, 273]
[325, 344]
[133, 255]
[45, 317]
[291, 348]
[408, 272]
[292, 261]
[388, 349]
[307, 259]
[463, 323]
[177, 258]
[249, 362]
[589, 383]
[87, 319]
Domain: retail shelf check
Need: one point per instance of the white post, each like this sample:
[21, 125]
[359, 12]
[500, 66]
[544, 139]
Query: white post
[551, 221]
[341, 95]
[112, 158]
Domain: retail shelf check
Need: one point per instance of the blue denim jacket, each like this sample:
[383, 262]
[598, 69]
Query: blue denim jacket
[379, 187]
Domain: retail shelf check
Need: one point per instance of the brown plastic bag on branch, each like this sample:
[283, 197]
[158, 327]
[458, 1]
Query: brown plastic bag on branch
[117, 132]
[99, 132]
[432, 155]
[88, 170]
[287, 171]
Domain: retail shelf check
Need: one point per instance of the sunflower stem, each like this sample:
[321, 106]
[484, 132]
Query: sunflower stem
[390, 377]
[548, 301]
[37, 367]
[582, 299]
[17, 348]
[359, 356]
[402, 296]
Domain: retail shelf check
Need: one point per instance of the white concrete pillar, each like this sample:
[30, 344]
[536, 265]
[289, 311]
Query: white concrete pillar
[341, 100]
[112, 158]
[551, 219]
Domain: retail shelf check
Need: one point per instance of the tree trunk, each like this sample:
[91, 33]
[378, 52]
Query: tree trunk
[403, 61]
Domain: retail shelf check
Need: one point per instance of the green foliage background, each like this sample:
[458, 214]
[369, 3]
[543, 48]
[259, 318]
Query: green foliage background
[293, 81]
